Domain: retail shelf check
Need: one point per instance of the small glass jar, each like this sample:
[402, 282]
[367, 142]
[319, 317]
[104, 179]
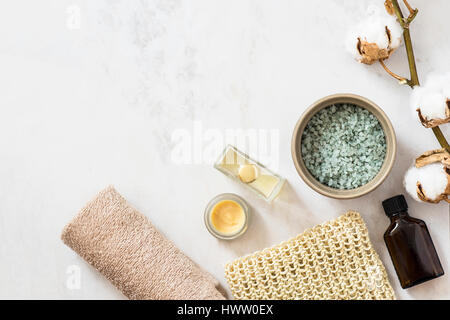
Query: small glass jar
[208, 212]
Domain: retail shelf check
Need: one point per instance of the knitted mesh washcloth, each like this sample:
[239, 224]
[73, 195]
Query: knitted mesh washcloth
[334, 260]
[127, 249]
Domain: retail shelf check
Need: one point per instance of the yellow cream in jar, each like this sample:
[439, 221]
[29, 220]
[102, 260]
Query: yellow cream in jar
[227, 217]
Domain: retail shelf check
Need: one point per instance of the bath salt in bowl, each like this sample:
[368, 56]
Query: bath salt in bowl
[343, 146]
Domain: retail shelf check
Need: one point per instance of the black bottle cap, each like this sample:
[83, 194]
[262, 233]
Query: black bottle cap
[395, 205]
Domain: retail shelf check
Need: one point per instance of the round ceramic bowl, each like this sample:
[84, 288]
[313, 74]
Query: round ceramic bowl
[389, 133]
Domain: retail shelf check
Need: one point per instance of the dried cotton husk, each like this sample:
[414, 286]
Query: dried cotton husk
[370, 52]
[438, 155]
[430, 123]
[389, 7]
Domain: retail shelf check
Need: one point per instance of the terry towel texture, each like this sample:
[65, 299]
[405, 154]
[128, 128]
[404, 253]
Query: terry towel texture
[126, 248]
[334, 260]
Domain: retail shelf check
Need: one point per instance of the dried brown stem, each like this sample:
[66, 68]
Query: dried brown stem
[410, 9]
[414, 81]
[441, 138]
[394, 75]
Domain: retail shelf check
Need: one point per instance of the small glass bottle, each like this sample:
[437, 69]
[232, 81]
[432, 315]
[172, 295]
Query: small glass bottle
[236, 164]
[410, 245]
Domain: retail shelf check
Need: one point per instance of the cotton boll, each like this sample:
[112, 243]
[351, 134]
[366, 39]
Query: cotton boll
[375, 37]
[410, 182]
[431, 99]
[416, 97]
[446, 85]
[351, 44]
[373, 28]
[432, 178]
[437, 80]
[396, 32]
[433, 105]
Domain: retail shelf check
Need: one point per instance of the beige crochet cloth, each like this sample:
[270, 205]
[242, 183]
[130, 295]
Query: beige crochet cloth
[127, 249]
[334, 260]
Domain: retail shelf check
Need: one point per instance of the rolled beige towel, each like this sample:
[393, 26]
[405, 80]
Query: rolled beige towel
[126, 248]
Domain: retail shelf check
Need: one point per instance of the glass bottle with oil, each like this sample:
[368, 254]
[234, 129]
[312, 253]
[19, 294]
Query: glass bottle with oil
[240, 167]
[409, 243]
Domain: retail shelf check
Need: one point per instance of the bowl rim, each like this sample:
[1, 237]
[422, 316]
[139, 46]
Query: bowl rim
[389, 132]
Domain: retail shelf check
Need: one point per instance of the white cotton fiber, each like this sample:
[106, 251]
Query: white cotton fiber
[432, 97]
[432, 178]
[372, 29]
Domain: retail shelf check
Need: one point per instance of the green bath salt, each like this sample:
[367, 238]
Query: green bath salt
[343, 146]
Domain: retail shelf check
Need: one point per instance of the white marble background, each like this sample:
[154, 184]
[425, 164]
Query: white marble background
[93, 101]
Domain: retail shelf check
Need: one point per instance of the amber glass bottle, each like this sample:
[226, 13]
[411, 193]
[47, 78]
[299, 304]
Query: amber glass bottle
[410, 245]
